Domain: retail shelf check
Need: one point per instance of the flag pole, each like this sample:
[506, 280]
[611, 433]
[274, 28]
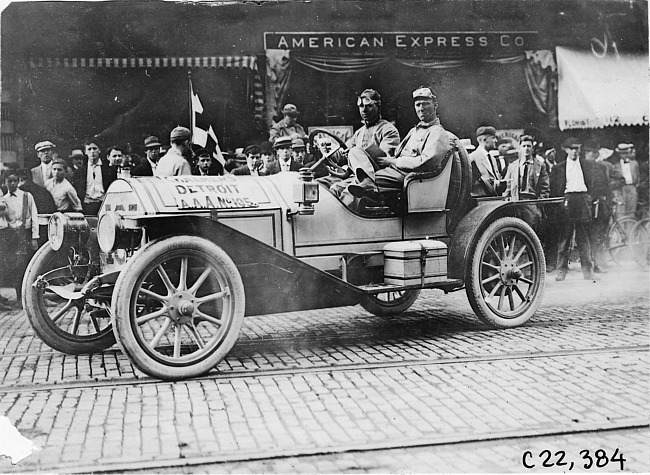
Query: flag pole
[189, 78]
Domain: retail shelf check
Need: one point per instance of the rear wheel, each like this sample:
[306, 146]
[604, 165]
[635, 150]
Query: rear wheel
[69, 325]
[178, 307]
[390, 303]
[505, 280]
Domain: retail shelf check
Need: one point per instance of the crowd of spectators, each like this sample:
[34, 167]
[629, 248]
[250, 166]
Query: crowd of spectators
[595, 182]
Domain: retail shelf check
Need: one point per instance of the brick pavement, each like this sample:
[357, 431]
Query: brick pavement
[406, 396]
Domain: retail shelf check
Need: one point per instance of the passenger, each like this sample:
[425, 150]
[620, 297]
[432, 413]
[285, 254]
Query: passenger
[173, 163]
[253, 162]
[93, 178]
[331, 166]
[423, 150]
[288, 126]
[64, 195]
[18, 230]
[150, 163]
[285, 162]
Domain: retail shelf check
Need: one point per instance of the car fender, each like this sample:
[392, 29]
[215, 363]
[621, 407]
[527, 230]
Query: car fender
[470, 228]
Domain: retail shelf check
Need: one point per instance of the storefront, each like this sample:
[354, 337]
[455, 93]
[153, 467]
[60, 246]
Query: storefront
[76, 69]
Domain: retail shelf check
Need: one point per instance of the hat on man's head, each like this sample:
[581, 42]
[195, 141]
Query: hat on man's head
[282, 142]
[591, 145]
[624, 147]
[424, 92]
[571, 142]
[152, 142]
[180, 133]
[76, 153]
[297, 143]
[266, 148]
[203, 152]
[252, 150]
[486, 130]
[44, 145]
[290, 109]
[370, 94]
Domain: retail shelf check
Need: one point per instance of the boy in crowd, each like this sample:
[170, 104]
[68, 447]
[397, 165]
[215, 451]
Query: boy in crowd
[64, 194]
[18, 231]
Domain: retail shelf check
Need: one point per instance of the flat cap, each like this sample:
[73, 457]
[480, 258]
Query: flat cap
[202, 152]
[44, 145]
[486, 130]
[252, 150]
[282, 142]
[571, 142]
[152, 142]
[624, 147]
[297, 143]
[180, 133]
[290, 109]
[423, 92]
[76, 153]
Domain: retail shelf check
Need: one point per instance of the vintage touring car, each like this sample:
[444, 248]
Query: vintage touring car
[173, 265]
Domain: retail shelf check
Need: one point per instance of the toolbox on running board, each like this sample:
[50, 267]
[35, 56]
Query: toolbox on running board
[415, 262]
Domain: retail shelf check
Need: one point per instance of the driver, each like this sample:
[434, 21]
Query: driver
[423, 150]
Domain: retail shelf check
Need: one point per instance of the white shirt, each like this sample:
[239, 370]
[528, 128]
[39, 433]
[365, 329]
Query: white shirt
[154, 165]
[94, 182]
[46, 170]
[14, 217]
[575, 179]
[285, 166]
[626, 172]
[172, 164]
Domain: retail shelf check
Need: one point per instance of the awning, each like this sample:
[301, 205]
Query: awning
[216, 62]
[598, 92]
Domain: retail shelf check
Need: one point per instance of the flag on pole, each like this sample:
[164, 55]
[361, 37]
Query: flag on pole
[200, 136]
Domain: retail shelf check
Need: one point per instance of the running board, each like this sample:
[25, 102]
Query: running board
[447, 286]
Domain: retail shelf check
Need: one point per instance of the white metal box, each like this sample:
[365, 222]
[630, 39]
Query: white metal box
[415, 262]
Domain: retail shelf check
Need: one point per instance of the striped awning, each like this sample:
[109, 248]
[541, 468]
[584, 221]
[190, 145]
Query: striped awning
[223, 62]
[216, 62]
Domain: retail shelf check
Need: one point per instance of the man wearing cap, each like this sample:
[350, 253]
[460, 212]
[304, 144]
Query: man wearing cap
[376, 137]
[573, 179]
[43, 172]
[267, 155]
[284, 163]
[624, 182]
[299, 152]
[288, 126]
[204, 164]
[424, 149]
[152, 152]
[487, 171]
[253, 162]
[75, 163]
[173, 163]
[93, 178]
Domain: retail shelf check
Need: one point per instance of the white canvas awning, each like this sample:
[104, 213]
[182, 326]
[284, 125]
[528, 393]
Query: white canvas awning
[598, 92]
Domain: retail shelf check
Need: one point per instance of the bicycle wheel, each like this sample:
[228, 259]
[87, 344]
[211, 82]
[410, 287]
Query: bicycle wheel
[639, 243]
[619, 237]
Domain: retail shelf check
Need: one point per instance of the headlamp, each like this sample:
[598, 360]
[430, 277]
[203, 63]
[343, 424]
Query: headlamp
[65, 230]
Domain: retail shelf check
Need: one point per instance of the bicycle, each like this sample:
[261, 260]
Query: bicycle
[639, 242]
[618, 238]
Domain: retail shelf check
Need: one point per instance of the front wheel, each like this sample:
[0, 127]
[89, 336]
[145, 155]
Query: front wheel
[178, 307]
[68, 324]
[390, 303]
[505, 280]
